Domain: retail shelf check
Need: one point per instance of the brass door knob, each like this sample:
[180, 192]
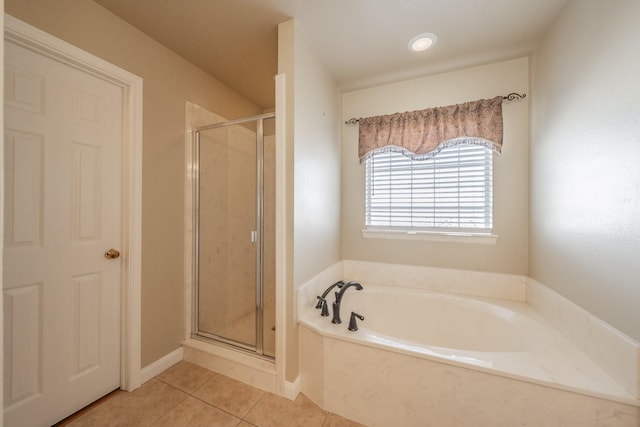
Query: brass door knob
[112, 254]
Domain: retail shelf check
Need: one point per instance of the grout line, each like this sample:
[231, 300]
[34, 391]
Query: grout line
[187, 394]
[209, 403]
[172, 408]
[242, 418]
[171, 385]
[202, 385]
[218, 408]
[325, 420]
[264, 393]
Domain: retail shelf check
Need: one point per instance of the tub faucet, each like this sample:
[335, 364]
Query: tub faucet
[336, 304]
[322, 300]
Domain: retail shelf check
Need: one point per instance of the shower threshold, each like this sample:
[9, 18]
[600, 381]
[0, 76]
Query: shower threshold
[232, 361]
[216, 340]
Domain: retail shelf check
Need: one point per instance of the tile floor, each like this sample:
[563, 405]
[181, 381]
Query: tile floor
[188, 395]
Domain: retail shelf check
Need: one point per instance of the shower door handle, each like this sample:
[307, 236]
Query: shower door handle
[254, 236]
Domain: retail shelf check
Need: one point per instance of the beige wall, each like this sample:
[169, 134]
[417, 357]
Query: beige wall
[169, 81]
[313, 171]
[585, 160]
[509, 254]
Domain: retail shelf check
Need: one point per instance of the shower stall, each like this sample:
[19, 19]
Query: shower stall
[233, 295]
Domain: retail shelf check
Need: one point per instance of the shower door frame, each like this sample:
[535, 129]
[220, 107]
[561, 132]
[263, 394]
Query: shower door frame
[258, 349]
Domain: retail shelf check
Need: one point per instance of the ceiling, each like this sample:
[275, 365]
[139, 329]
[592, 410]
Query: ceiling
[361, 42]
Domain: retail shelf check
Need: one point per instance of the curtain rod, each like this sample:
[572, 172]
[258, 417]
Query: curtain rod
[511, 97]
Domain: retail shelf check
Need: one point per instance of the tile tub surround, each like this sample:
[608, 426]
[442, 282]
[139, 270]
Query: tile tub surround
[616, 353]
[475, 283]
[382, 388]
[307, 293]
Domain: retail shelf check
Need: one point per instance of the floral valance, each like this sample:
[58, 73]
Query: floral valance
[422, 134]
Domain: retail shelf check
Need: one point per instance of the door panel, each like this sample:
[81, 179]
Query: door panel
[23, 360]
[25, 171]
[63, 133]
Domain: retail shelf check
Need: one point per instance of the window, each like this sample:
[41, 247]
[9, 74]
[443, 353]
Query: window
[450, 192]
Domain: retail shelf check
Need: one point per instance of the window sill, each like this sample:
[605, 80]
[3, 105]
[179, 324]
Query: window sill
[435, 236]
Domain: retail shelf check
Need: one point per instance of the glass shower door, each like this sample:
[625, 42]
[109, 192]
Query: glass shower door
[235, 237]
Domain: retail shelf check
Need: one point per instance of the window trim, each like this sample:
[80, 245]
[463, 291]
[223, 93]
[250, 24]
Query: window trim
[408, 232]
[435, 236]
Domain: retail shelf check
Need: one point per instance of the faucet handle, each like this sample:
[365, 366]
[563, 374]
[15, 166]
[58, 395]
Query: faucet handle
[353, 324]
[322, 304]
[325, 309]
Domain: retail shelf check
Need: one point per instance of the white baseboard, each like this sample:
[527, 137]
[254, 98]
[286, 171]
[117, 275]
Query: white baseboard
[291, 390]
[162, 364]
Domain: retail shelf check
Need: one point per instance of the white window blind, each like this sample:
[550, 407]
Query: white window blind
[450, 192]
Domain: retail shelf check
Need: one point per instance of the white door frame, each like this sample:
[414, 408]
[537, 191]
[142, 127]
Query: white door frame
[29, 37]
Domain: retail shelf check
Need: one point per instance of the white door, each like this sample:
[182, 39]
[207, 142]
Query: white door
[63, 142]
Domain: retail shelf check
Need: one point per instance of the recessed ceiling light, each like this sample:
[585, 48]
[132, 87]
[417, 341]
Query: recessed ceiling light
[422, 42]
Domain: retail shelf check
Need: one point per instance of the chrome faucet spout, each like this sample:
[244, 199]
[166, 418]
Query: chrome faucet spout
[339, 295]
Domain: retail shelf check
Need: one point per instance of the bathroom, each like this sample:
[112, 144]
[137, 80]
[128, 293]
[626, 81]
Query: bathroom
[564, 185]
